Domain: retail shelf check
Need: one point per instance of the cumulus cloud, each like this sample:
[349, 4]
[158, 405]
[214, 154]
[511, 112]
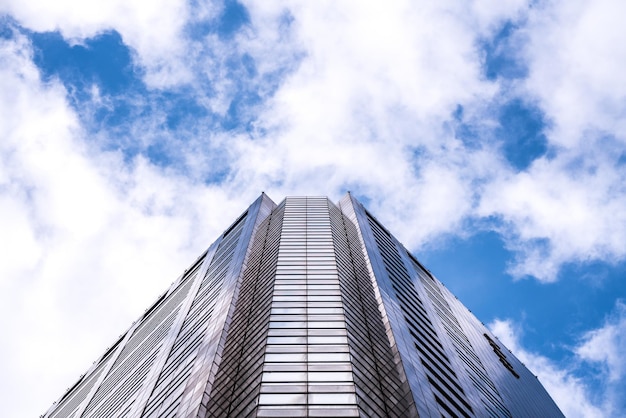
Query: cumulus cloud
[72, 219]
[365, 109]
[491, 13]
[576, 57]
[566, 207]
[570, 393]
[153, 29]
[606, 345]
[329, 97]
[561, 211]
[371, 111]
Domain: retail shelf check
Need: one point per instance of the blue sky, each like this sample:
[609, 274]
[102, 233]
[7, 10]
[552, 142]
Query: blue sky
[489, 136]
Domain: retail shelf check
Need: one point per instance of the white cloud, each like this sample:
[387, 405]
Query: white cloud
[607, 345]
[576, 211]
[576, 58]
[570, 393]
[153, 29]
[571, 200]
[73, 218]
[367, 93]
[491, 13]
[368, 106]
[365, 109]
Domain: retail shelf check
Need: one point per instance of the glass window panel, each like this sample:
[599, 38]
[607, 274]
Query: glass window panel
[290, 276]
[324, 298]
[324, 304]
[282, 318]
[327, 324]
[287, 340]
[324, 282]
[282, 398]
[291, 264]
[325, 387]
[286, 301]
[288, 287]
[285, 357]
[332, 398]
[328, 357]
[289, 292]
[269, 387]
[291, 411]
[330, 376]
[284, 332]
[313, 293]
[329, 367]
[285, 348]
[324, 310]
[287, 324]
[328, 286]
[328, 349]
[328, 331]
[318, 275]
[284, 376]
[301, 281]
[326, 318]
[289, 270]
[287, 310]
[327, 340]
[287, 367]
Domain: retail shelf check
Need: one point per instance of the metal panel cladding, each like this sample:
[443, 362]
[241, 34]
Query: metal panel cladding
[306, 309]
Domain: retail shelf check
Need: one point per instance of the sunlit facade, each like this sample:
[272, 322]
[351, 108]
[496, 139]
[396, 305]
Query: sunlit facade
[306, 308]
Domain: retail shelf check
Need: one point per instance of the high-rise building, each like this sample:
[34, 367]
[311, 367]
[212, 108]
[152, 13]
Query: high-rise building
[306, 308]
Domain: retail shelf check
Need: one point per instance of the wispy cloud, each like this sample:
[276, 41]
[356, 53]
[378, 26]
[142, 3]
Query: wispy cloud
[606, 345]
[572, 394]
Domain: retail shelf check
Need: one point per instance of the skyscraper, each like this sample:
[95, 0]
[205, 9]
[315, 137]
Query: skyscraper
[306, 308]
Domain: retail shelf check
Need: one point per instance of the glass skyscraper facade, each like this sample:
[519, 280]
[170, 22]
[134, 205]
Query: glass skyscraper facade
[306, 308]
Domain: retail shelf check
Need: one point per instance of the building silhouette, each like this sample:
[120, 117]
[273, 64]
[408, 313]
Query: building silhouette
[306, 308]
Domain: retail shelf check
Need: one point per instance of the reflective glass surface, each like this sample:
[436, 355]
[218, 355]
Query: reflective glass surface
[306, 308]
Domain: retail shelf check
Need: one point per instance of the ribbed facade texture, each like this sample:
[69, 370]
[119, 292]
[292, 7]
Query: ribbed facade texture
[306, 308]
